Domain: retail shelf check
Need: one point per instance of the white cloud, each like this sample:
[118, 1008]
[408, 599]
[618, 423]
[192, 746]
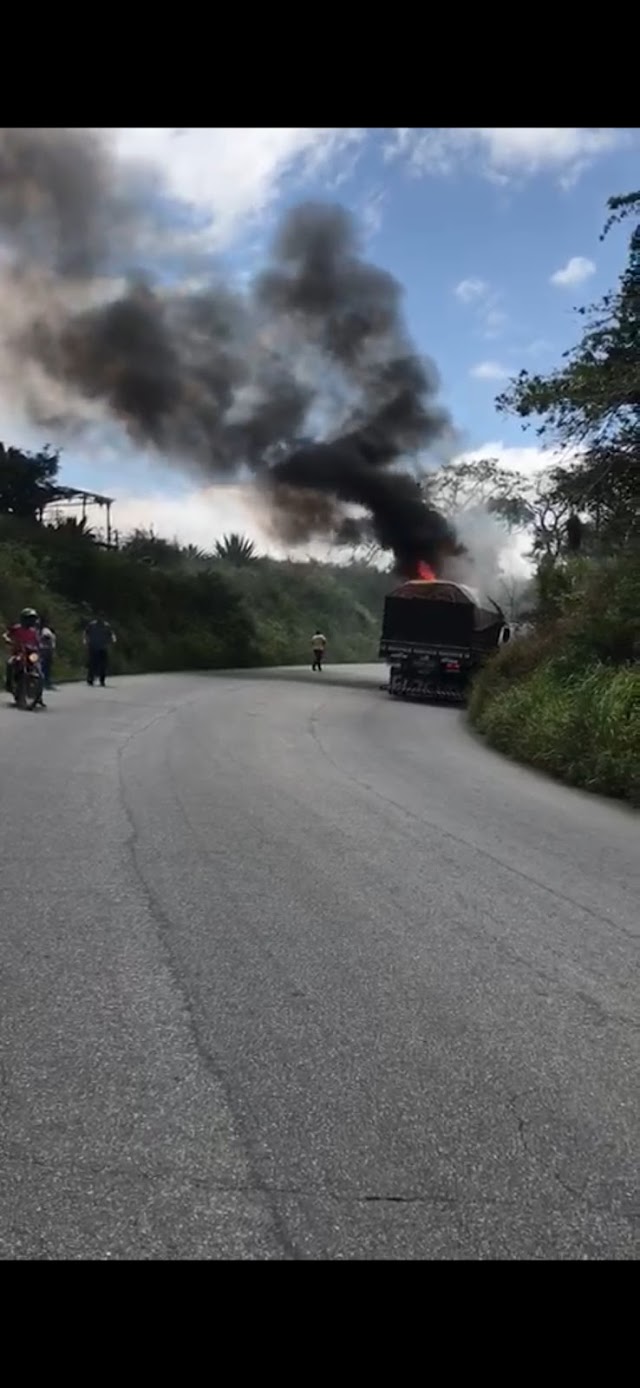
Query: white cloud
[503, 153]
[478, 294]
[575, 272]
[469, 291]
[494, 322]
[198, 517]
[490, 371]
[204, 515]
[233, 174]
[538, 347]
[372, 211]
[525, 458]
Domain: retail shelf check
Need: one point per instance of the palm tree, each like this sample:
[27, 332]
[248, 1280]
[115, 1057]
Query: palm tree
[194, 552]
[236, 549]
[194, 559]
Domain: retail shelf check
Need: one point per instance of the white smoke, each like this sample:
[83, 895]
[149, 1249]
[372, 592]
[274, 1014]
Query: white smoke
[495, 558]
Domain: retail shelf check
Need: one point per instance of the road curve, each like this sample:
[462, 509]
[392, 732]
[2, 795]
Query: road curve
[290, 970]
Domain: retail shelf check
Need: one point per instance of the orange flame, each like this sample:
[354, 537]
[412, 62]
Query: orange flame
[425, 571]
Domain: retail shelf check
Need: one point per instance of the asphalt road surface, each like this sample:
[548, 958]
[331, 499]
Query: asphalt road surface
[289, 970]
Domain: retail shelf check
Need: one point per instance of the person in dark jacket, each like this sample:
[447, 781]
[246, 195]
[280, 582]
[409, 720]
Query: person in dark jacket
[98, 638]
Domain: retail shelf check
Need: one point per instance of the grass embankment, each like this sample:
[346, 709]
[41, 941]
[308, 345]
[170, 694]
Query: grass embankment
[567, 698]
[178, 615]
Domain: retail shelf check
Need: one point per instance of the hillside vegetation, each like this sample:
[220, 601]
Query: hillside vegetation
[567, 697]
[175, 609]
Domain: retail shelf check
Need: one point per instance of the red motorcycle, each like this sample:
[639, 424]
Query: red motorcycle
[26, 680]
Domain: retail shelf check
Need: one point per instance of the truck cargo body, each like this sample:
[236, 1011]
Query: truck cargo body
[434, 637]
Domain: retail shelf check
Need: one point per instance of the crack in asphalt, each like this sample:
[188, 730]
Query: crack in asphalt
[268, 1191]
[164, 927]
[547, 1168]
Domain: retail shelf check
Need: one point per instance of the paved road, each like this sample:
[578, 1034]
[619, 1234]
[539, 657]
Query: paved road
[291, 971]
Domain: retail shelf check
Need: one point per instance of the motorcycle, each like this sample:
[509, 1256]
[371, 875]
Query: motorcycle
[26, 679]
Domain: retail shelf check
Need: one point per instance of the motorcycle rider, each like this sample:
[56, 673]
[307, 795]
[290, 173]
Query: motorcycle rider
[23, 635]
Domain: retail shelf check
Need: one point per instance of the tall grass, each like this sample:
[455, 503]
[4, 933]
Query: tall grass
[584, 728]
[567, 698]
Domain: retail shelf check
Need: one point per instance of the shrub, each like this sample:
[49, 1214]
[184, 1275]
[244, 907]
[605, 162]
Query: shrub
[584, 727]
[170, 616]
[567, 698]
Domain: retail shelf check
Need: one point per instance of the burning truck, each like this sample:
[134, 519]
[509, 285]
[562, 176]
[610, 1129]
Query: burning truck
[435, 636]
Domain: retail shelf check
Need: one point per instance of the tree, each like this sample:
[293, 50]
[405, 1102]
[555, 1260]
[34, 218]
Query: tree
[238, 550]
[464, 486]
[592, 404]
[516, 596]
[27, 481]
[550, 515]
[73, 527]
[539, 503]
[194, 553]
[152, 549]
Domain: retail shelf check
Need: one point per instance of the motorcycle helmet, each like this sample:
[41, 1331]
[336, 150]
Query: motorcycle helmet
[28, 617]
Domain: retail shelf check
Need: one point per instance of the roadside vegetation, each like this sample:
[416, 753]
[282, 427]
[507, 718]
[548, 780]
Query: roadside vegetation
[566, 697]
[174, 607]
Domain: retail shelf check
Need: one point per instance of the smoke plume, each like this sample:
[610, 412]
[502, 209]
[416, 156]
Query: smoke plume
[226, 383]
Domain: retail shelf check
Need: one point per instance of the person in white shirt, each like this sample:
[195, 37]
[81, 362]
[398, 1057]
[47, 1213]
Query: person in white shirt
[318, 646]
[48, 643]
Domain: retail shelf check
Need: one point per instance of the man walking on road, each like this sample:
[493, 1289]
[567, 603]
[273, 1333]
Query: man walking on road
[99, 639]
[318, 646]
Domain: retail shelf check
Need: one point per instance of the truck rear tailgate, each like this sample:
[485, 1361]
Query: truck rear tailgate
[429, 624]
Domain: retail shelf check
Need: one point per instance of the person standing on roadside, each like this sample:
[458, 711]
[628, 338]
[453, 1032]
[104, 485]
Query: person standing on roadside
[48, 643]
[98, 639]
[318, 646]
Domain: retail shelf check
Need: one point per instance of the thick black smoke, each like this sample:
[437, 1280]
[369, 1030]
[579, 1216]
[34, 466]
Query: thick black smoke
[210, 378]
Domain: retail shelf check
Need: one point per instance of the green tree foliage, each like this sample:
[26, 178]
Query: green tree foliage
[289, 601]
[194, 559]
[154, 550]
[179, 608]
[27, 481]
[567, 698]
[464, 486]
[238, 550]
[534, 504]
[591, 406]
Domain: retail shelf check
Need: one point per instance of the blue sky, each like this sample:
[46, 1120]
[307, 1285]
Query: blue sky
[474, 223]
